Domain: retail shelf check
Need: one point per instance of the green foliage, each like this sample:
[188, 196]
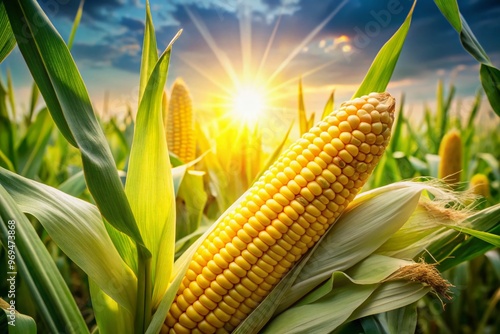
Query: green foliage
[489, 75]
[7, 40]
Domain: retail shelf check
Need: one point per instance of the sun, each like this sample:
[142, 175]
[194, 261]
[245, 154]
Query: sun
[248, 103]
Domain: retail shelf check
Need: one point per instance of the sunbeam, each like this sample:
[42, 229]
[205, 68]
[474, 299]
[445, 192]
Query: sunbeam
[219, 53]
[305, 41]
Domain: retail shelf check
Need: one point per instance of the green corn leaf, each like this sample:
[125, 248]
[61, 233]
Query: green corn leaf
[74, 185]
[5, 162]
[7, 39]
[371, 270]
[64, 92]
[397, 126]
[381, 215]
[7, 129]
[443, 109]
[77, 229]
[149, 185]
[35, 94]
[464, 249]
[310, 122]
[378, 76]
[50, 293]
[76, 23]
[190, 203]
[13, 322]
[490, 79]
[433, 164]
[329, 106]
[485, 236]
[149, 51]
[471, 44]
[492, 162]
[475, 109]
[405, 166]
[390, 296]
[370, 324]
[110, 316]
[324, 316]
[490, 75]
[276, 153]
[118, 143]
[401, 320]
[32, 148]
[10, 95]
[432, 137]
[302, 111]
[387, 171]
[450, 10]
[494, 258]
[349, 295]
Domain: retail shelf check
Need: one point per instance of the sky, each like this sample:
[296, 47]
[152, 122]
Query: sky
[270, 44]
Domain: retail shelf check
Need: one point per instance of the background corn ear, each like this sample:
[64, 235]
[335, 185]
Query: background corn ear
[480, 185]
[450, 152]
[180, 128]
[287, 210]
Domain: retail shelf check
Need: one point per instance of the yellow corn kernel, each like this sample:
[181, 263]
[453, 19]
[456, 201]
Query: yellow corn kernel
[180, 129]
[450, 152]
[317, 177]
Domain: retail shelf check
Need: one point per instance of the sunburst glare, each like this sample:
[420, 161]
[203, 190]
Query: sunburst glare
[248, 103]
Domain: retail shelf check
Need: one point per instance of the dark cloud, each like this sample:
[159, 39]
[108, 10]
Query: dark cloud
[96, 54]
[132, 24]
[125, 57]
[92, 9]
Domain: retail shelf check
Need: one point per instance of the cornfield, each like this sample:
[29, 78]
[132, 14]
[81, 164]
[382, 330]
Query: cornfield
[168, 220]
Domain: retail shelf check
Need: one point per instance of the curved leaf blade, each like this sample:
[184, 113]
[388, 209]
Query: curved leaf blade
[64, 92]
[490, 80]
[48, 289]
[78, 230]
[7, 40]
[32, 148]
[149, 185]
[378, 76]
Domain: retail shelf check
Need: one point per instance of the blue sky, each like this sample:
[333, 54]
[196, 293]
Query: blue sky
[329, 43]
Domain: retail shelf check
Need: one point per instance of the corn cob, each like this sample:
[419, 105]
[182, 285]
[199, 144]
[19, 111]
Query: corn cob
[479, 184]
[450, 151]
[180, 132]
[287, 210]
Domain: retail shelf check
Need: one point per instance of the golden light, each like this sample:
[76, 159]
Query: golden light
[248, 103]
[341, 39]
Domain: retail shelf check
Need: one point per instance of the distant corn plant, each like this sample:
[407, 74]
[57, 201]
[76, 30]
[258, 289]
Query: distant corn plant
[450, 153]
[480, 185]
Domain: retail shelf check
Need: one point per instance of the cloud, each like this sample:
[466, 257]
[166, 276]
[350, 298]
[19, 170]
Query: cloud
[132, 24]
[348, 43]
[92, 9]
